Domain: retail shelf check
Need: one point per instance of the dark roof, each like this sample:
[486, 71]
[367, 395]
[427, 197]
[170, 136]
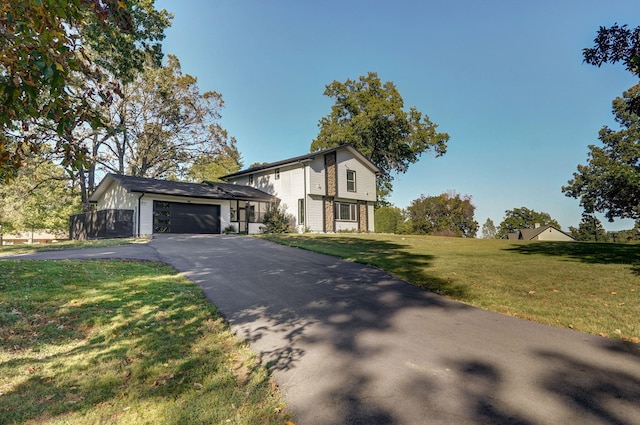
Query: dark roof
[205, 190]
[530, 233]
[303, 158]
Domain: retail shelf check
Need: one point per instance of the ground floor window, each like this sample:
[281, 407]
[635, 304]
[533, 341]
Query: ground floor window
[346, 211]
[249, 211]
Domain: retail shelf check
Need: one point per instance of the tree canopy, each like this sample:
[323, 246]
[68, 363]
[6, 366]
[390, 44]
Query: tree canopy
[369, 115]
[446, 215]
[489, 230]
[610, 181]
[60, 61]
[590, 229]
[523, 218]
[388, 218]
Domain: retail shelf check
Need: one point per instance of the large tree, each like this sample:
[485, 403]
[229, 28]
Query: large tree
[162, 124]
[617, 43]
[523, 218]
[57, 60]
[489, 230]
[610, 181]
[40, 197]
[369, 115]
[589, 229]
[447, 214]
[388, 218]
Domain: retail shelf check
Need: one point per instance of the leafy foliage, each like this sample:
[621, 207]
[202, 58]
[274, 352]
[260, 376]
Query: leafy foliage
[369, 115]
[211, 167]
[277, 220]
[388, 218]
[522, 218]
[610, 182]
[40, 198]
[56, 59]
[615, 44]
[590, 229]
[489, 230]
[443, 215]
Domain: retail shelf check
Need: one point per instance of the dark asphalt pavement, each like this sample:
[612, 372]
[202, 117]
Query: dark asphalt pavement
[348, 344]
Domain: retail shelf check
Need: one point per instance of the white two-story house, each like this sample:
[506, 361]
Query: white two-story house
[326, 191]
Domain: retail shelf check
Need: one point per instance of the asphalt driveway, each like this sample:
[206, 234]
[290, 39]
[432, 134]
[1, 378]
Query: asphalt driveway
[348, 344]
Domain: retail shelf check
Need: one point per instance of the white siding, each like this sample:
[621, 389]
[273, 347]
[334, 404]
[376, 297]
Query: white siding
[365, 178]
[315, 214]
[553, 235]
[117, 197]
[317, 179]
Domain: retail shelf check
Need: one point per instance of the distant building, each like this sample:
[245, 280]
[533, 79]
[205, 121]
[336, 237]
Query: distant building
[540, 233]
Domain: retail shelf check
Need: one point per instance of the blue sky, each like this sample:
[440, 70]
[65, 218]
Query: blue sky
[504, 78]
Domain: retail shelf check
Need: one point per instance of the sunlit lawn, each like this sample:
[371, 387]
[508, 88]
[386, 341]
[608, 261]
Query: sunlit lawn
[91, 342]
[64, 245]
[589, 287]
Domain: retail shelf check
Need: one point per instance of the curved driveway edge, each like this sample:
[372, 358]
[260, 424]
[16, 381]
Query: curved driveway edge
[348, 344]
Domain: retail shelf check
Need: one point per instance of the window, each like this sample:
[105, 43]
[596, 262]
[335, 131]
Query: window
[300, 211]
[351, 181]
[250, 179]
[234, 211]
[346, 212]
[161, 217]
[277, 174]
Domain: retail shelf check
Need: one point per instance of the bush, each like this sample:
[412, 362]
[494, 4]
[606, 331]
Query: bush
[277, 220]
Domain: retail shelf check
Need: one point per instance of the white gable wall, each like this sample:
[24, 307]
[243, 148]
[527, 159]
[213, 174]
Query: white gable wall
[365, 178]
[552, 234]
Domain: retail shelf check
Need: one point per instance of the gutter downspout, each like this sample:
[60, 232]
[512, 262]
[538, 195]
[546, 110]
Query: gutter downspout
[139, 214]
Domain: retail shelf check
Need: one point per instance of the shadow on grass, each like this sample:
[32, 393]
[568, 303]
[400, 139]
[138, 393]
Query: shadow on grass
[154, 338]
[388, 256]
[586, 252]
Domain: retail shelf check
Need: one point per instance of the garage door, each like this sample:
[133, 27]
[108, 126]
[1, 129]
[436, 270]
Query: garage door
[175, 217]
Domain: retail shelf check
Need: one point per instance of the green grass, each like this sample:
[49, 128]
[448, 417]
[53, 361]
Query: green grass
[90, 342]
[589, 287]
[64, 245]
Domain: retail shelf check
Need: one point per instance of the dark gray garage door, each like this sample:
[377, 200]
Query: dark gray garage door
[175, 217]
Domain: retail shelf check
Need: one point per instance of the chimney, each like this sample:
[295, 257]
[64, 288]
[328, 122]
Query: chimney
[537, 225]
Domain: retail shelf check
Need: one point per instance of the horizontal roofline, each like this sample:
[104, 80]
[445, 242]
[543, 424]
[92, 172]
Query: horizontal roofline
[302, 158]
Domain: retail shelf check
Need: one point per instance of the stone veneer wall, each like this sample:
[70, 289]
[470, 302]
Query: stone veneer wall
[329, 222]
[330, 166]
[362, 216]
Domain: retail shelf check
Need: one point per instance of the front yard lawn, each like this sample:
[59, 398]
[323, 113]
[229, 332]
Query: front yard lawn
[89, 342]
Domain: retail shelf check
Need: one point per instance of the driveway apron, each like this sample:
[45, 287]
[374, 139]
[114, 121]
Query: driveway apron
[349, 344]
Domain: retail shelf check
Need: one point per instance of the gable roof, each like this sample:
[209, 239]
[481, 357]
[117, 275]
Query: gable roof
[204, 190]
[531, 233]
[304, 158]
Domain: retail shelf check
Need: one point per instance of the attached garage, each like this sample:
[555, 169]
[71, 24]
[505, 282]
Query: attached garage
[176, 217]
[161, 206]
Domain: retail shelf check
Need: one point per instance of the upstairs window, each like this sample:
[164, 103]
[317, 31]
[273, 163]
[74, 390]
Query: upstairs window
[351, 181]
[277, 174]
[250, 179]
